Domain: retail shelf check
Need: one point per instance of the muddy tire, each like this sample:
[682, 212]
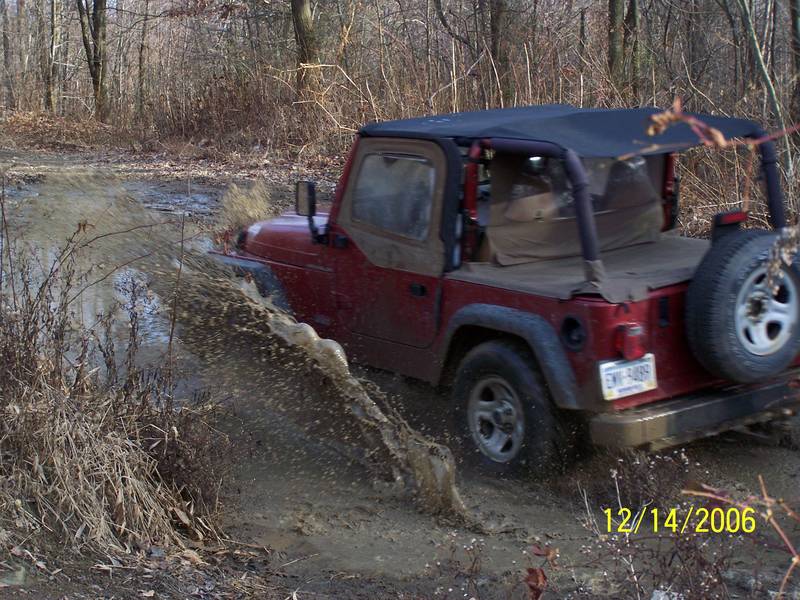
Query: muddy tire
[503, 416]
[737, 328]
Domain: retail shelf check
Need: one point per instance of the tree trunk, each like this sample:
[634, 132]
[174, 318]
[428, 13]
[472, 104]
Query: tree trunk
[616, 18]
[498, 11]
[794, 9]
[737, 67]
[749, 66]
[49, 68]
[41, 53]
[696, 41]
[142, 51]
[307, 46]
[93, 31]
[631, 45]
[768, 85]
[773, 40]
[582, 40]
[7, 81]
[23, 47]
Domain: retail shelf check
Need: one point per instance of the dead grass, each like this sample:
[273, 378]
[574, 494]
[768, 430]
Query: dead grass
[776, 512]
[96, 452]
[43, 131]
[633, 477]
[241, 207]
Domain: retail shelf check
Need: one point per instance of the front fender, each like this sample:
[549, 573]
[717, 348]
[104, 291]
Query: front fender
[539, 335]
[266, 281]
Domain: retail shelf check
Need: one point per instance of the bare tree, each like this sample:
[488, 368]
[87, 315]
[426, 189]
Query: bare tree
[631, 44]
[794, 12]
[93, 18]
[9, 85]
[498, 11]
[142, 52]
[307, 45]
[767, 81]
[443, 20]
[616, 19]
[696, 54]
[49, 29]
[206, 67]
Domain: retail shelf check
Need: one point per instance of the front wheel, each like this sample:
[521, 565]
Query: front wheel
[504, 418]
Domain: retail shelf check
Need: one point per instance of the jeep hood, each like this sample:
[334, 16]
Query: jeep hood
[285, 238]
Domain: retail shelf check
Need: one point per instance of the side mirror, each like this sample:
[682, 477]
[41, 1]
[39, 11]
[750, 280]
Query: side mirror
[305, 199]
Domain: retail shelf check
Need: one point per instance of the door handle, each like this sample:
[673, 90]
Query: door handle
[417, 289]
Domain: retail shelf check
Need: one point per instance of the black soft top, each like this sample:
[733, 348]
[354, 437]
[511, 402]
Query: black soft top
[589, 132]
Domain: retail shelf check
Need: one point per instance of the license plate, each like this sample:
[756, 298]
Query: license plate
[620, 378]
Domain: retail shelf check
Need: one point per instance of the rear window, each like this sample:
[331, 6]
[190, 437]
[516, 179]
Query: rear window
[395, 193]
[613, 184]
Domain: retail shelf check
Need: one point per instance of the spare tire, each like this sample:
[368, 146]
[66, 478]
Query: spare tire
[738, 329]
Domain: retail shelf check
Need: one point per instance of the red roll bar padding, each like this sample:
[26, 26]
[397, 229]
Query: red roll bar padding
[470, 238]
[471, 180]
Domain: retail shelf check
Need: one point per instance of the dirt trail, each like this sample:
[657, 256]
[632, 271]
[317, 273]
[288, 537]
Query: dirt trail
[299, 482]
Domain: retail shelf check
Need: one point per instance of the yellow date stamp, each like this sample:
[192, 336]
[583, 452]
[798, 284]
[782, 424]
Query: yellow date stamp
[689, 520]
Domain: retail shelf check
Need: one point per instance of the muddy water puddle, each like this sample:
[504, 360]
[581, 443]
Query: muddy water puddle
[299, 484]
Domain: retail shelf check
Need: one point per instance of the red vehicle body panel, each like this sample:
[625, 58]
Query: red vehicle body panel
[303, 268]
[364, 307]
[678, 372]
[374, 302]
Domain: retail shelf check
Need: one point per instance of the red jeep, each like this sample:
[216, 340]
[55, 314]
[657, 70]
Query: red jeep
[529, 258]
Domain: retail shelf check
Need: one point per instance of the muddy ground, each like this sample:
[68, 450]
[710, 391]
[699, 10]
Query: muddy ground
[330, 531]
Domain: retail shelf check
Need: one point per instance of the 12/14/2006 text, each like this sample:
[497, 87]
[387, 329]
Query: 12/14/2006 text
[731, 519]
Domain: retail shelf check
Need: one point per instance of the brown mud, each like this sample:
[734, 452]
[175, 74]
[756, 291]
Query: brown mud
[329, 493]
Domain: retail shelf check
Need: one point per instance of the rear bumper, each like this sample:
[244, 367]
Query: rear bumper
[680, 420]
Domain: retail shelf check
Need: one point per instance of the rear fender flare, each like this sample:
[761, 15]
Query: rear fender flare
[536, 332]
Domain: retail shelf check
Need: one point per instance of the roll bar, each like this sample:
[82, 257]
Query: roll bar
[772, 181]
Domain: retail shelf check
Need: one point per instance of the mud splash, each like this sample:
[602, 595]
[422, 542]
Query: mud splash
[310, 380]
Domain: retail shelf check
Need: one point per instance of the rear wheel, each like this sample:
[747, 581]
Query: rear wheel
[504, 418]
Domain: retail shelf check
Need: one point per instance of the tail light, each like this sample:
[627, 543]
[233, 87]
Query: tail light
[730, 218]
[629, 341]
[726, 222]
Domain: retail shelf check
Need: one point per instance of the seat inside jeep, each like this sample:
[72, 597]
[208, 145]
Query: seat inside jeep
[531, 236]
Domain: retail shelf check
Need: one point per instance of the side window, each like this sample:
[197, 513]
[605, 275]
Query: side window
[395, 192]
